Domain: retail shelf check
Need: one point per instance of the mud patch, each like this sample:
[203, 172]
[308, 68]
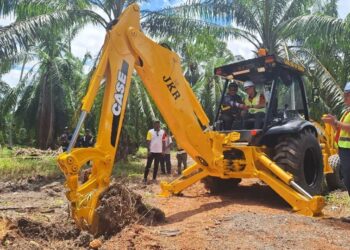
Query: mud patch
[37, 230]
[119, 207]
[28, 184]
[25, 233]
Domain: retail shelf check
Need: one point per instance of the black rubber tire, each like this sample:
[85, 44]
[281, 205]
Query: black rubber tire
[216, 185]
[301, 156]
[335, 180]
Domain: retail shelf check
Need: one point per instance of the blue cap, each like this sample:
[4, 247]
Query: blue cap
[347, 87]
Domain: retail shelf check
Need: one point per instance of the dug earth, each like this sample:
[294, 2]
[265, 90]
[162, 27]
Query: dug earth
[252, 216]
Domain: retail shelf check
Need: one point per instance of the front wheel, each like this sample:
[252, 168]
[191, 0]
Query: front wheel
[335, 180]
[301, 156]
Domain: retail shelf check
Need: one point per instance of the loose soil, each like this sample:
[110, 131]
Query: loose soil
[252, 216]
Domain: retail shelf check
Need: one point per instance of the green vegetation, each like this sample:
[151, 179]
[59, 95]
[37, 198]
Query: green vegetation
[133, 166]
[47, 97]
[18, 167]
[130, 169]
[338, 198]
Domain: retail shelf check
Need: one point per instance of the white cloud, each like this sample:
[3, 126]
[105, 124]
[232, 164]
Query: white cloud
[343, 8]
[12, 77]
[89, 39]
[6, 20]
[241, 47]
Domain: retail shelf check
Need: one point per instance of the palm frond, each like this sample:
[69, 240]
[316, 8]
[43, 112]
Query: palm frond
[325, 26]
[7, 7]
[331, 93]
[23, 33]
[160, 25]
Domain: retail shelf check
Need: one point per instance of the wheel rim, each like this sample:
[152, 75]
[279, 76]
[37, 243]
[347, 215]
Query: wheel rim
[310, 167]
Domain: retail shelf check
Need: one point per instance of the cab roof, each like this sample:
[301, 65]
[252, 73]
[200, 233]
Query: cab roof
[264, 67]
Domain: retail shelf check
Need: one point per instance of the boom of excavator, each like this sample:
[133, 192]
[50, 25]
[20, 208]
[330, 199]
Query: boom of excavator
[126, 48]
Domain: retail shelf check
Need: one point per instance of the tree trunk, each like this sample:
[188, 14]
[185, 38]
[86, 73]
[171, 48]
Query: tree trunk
[46, 112]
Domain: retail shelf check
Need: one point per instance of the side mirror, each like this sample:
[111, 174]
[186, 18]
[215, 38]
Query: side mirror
[315, 95]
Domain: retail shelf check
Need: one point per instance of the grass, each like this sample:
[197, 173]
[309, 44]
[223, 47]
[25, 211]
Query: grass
[338, 198]
[141, 153]
[18, 167]
[134, 167]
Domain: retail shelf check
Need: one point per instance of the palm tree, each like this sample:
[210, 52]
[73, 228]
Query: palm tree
[324, 51]
[259, 22]
[4, 90]
[35, 15]
[200, 55]
[46, 92]
[271, 24]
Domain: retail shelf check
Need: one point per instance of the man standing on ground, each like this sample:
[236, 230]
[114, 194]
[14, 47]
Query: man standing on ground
[167, 142]
[154, 149]
[181, 157]
[343, 139]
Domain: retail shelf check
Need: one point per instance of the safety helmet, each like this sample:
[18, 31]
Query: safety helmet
[248, 84]
[347, 87]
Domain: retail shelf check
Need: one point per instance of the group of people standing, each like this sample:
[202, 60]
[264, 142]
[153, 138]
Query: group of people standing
[159, 143]
[83, 141]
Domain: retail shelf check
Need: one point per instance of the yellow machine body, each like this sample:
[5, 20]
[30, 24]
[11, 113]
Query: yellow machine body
[126, 48]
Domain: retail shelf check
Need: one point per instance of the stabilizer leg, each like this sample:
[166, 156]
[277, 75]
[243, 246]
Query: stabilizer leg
[301, 203]
[189, 176]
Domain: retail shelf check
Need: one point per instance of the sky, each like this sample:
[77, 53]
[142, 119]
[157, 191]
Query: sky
[90, 39]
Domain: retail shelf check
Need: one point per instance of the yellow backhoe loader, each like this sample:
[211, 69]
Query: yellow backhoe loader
[289, 153]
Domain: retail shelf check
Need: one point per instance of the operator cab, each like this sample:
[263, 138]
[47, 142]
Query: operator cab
[277, 81]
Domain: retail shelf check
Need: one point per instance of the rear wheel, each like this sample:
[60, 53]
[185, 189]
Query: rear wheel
[335, 180]
[301, 156]
[216, 185]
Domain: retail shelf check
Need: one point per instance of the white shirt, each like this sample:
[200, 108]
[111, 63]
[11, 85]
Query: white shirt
[156, 140]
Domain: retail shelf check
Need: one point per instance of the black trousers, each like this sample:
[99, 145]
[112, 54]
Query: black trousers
[165, 164]
[181, 160]
[231, 122]
[258, 120]
[157, 158]
[344, 155]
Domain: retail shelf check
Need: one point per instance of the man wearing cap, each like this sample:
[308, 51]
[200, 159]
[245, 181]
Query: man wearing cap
[254, 104]
[343, 139]
[231, 107]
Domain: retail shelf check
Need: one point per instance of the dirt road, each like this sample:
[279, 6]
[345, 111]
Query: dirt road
[250, 217]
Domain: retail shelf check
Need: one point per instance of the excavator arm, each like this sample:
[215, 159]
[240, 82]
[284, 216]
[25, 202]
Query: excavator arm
[127, 49]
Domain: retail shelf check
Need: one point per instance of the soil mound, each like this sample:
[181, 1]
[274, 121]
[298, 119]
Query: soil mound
[36, 230]
[24, 233]
[34, 152]
[33, 183]
[119, 207]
